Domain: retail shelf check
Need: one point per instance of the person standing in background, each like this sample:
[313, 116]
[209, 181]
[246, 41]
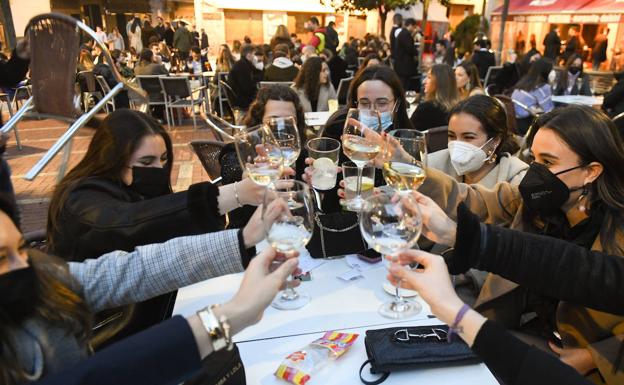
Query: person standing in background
[482, 57]
[204, 40]
[552, 44]
[169, 33]
[520, 43]
[573, 45]
[195, 34]
[599, 53]
[397, 21]
[318, 35]
[133, 30]
[115, 40]
[160, 29]
[101, 35]
[404, 53]
[331, 37]
[183, 41]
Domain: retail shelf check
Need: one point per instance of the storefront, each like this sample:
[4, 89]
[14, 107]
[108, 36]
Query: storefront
[535, 18]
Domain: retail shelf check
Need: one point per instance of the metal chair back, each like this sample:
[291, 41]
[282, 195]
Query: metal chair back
[491, 75]
[268, 84]
[343, 90]
[230, 95]
[222, 129]
[151, 85]
[175, 87]
[208, 153]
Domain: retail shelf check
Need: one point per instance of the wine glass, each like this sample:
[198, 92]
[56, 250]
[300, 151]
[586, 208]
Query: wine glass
[289, 231]
[358, 147]
[410, 97]
[285, 131]
[405, 160]
[391, 224]
[259, 154]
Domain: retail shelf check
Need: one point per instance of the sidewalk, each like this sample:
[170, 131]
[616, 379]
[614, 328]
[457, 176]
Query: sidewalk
[37, 136]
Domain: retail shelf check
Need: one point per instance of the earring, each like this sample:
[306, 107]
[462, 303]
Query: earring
[584, 193]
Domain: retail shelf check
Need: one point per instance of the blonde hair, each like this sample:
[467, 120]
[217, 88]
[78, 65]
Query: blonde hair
[446, 93]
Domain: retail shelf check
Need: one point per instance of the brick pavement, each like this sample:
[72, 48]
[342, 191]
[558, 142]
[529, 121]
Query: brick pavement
[37, 136]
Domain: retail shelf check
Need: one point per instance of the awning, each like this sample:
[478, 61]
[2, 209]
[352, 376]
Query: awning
[306, 6]
[603, 6]
[541, 7]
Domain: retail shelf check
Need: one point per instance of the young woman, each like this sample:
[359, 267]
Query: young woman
[440, 96]
[467, 78]
[236, 50]
[533, 93]
[47, 305]
[119, 196]
[225, 60]
[281, 37]
[313, 85]
[480, 145]
[275, 101]
[372, 59]
[573, 191]
[573, 81]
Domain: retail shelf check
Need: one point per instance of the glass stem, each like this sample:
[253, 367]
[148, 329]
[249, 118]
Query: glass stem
[397, 294]
[289, 292]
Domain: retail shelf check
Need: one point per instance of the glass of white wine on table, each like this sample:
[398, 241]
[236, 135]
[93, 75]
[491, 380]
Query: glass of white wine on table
[391, 224]
[288, 230]
[259, 154]
[358, 145]
[284, 129]
[405, 159]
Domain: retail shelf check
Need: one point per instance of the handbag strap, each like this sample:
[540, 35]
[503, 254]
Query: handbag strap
[322, 229]
[381, 379]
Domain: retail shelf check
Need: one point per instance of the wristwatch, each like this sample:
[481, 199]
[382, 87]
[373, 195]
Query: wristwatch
[217, 328]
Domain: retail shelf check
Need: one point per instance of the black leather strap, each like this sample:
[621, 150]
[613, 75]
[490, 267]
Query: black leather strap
[381, 379]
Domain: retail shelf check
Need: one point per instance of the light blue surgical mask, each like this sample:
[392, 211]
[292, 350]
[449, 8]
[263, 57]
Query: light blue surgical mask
[370, 121]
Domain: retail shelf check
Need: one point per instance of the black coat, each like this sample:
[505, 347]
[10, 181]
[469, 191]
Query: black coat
[552, 45]
[204, 41]
[243, 79]
[392, 39]
[483, 59]
[169, 33]
[404, 54]
[613, 101]
[331, 39]
[429, 115]
[337, 68]
[13, 71]
[550, 266]
[599, 53]
[572, 46]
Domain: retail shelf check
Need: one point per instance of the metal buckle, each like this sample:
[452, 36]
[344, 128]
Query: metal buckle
[403, 335]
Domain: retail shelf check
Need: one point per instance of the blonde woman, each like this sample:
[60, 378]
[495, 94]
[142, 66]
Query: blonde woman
[441, 95]
[281, 37]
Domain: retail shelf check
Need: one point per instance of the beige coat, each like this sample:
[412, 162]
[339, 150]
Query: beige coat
[325, 93]
[601, 332]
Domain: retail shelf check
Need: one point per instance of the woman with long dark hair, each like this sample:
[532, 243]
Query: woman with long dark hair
[467, 78]
[574, 190]
[119, 196]
[573, 81]
[441, 95]
[533, 90]
[313, 85]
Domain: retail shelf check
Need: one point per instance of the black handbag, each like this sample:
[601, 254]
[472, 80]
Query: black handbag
[410, 348]
[336, 235]
[223, 367]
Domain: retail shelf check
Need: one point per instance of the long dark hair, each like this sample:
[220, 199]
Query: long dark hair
[537, 75]
[308, 78]
[136, 23]
[56, 302]
[446, 94]
[275, 92]
[390, 78]
[473, 75]
[108, 154]
[493, 119]
[594, 138]
[562, 81]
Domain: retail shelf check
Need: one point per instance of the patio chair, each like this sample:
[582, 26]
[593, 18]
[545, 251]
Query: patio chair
[7, 99]
[267, 84]
[231, 98]
[110, 105]
[151, 85]
[343, 90]
[90, 92]
[491, 74]
[54, 49]
[221, 98]
[21, 94]
[178, 94]
[222, 129]
[208, 153]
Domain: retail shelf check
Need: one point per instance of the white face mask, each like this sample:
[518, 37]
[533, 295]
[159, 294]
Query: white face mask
[466, 157]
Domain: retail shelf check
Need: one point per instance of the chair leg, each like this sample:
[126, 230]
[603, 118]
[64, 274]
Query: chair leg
[194, 118]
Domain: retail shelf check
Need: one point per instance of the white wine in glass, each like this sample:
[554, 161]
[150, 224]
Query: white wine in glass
[287, 134]
[406, 158]
[392, 224]
[289, 231]
[359, 147]
[259, 154]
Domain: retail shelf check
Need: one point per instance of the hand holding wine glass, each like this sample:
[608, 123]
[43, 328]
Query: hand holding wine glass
[259, 154]
[404, 167]
[390, 225]
[288, 227]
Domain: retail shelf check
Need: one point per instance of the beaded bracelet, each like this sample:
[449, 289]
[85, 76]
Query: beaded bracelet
[454, 328]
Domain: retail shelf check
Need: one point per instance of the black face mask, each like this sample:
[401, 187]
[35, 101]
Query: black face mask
[19, 293]
[542, 192]
[150, 182]
[574, 70]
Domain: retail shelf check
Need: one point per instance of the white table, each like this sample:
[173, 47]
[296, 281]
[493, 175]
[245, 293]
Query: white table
[314, 119]
[591, 101]
[336, 305]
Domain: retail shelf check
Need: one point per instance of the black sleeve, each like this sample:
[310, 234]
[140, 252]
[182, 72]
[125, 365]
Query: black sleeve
[550, 266]
[406, 44]
[613, 97]
[517, 363]
[164, 354]
[13, 71]
[108, 223]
